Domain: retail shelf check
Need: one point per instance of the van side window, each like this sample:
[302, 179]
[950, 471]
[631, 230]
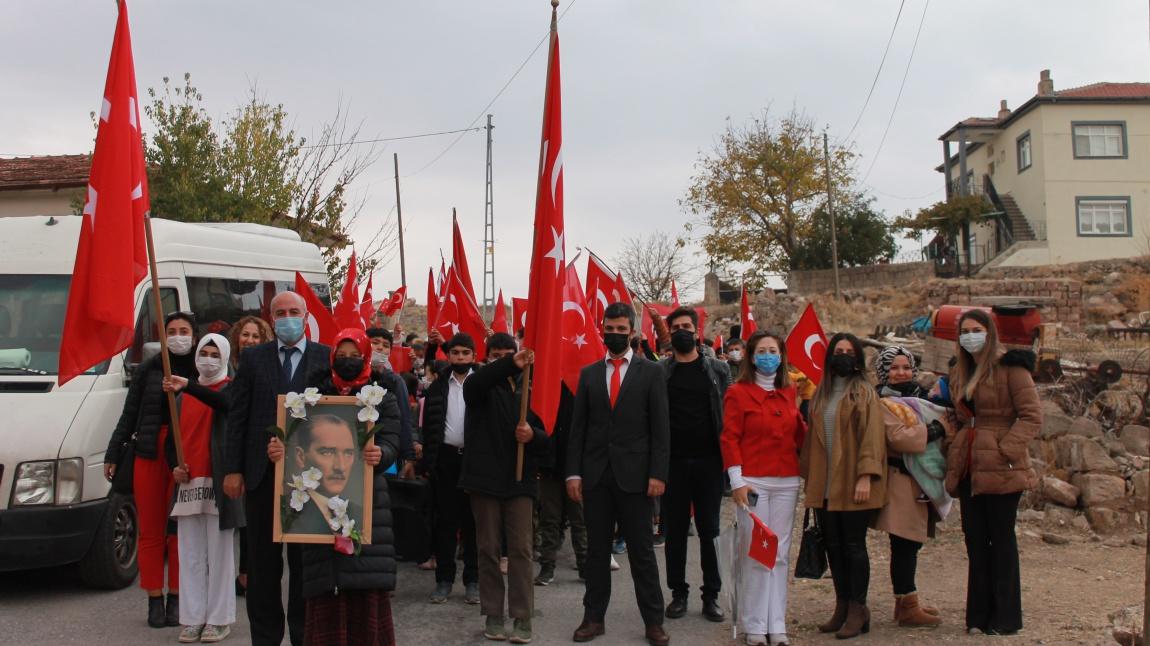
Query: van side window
[146, 324]
[220, 302]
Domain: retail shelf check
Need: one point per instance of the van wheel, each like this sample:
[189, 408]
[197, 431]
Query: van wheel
[111, 561]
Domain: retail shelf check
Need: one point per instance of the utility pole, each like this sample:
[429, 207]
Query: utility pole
[399, 218]
[831, 213]
[488, 235]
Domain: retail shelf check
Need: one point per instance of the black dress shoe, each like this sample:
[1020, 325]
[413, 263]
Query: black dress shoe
[172, 611]
[677, 608]
[712, 611]
[156, 617]
[588, 630]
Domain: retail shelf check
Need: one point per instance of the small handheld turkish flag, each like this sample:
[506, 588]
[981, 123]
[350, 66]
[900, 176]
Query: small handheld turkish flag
[807, 345]
[764, 543]
[746, 317]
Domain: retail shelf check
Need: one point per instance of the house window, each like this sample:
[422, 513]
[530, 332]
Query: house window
[1103, 216]
[1094, 139]
[1024, 159]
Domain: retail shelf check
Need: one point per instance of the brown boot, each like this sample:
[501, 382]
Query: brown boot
[858, 622]
[909, 613]
[837, 619]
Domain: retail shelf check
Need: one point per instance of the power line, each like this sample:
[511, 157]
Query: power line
[897, 98]
[874, 82]
[376, 141]
[498, 94]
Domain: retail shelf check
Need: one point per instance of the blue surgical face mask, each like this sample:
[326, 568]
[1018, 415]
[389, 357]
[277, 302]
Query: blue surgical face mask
[289, 329]
[768, 364]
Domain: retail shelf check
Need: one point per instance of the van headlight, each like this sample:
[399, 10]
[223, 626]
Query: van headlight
[49, 481]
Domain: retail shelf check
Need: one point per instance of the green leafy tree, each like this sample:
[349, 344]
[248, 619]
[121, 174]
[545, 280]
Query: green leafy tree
[864, 237]
[756, 193]
[951, 219]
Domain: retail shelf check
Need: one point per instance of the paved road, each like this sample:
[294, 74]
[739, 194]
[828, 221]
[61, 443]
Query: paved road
[50, 607]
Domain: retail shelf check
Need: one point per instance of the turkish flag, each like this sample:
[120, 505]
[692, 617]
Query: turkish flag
[458, 313]
[674, 294]
[702, 322]
[366, 309]
[459, 257]
[807, 345]
[582, 343]
[112, 255]
[320, 325]
[621, 292]
[394, 303]
[601, 290]
[400, 359]
[717, 346]
[499, 320]
[746, 318]
[432, 299]
[544, 332]
[764, 543]
[346, 311]
[519, 313]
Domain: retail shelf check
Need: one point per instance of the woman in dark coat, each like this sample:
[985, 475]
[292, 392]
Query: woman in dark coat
[146, 416]
[347, 596]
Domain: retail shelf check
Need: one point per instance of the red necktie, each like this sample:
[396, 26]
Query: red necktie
[616, 379]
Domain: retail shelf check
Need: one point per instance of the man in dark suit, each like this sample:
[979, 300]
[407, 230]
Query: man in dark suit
[617, 461]
[265, 372]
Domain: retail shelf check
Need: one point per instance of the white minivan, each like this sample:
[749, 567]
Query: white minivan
[55, 505]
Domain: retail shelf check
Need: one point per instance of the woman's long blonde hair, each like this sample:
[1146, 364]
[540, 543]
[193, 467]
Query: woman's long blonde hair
[979, 369]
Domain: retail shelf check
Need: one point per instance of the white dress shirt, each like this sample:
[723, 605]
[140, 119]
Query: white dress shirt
[296, 357]
[456, 410]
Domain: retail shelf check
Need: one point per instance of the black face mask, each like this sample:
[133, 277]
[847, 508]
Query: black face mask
[683, 341]
[347, 368]
[906, 388]
[842, 365]
[461, 368]
[616, 343]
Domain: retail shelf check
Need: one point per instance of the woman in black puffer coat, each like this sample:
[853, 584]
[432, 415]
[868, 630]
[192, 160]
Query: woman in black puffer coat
[347, 596]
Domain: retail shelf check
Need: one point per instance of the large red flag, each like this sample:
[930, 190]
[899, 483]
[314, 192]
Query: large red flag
[601, 289]
[746, 318]
[458, 313]
[807, 345]
[321, 326]
[519, 313]
[582, 343]
[395, 302]
[112, 256]
[367, 305]
[548, 258]
[459, 257]
[764, 543]
[432, 299]
[499, 320]
[347, 309]
[621, 293]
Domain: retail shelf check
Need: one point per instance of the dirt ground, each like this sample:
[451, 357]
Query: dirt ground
[1067, 590]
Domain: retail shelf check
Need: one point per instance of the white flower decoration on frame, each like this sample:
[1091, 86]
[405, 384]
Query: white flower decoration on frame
[311, 478]
[299, 498]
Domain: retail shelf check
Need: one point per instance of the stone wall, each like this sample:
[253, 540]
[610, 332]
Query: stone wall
[1061, 298]
[822, 281]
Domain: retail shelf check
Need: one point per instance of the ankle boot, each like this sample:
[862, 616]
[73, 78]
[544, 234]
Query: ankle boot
[156, 612]
[930, 610]
[172, 611]
[837, 619]
[909, 613]
[858, 622]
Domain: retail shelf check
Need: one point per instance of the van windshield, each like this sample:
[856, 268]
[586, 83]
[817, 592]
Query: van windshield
[32, 308]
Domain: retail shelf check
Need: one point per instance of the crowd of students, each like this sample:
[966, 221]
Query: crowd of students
[674, 428]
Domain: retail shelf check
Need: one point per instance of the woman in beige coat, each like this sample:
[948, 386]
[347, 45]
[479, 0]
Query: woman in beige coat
[988, 468]
[844, 460]
[908, 516]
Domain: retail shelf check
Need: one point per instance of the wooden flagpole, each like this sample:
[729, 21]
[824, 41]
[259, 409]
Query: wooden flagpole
[162, 334]
[524, 391]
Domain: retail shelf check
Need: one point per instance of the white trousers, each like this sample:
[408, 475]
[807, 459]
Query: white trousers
[763, 593]
[207, 571]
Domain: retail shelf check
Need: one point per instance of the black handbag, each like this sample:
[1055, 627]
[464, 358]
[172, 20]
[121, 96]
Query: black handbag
[125, 467]
[812, 561]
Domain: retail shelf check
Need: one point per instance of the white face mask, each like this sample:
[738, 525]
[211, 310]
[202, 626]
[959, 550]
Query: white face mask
[208, 366]
[972, 342]
[179, 345]
[379, 360]
[735, 355]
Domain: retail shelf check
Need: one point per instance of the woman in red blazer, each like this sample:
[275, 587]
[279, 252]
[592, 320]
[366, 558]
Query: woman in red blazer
[762, 434]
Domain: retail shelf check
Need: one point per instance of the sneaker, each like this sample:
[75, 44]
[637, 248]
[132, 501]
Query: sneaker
[619, 547]
[614, 564]
[441, 591]
[974, 631]
[546, 574]
[471, 594]
[495, 630]
[190, 634]
[756, 640]
[215, 633]
[778, 639]
[522, 632]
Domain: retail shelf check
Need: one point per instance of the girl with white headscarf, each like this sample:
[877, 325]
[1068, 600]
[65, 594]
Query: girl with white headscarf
[207, 521]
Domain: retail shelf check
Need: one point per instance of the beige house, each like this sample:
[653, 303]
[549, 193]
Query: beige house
[42, 185]
[1068, 174]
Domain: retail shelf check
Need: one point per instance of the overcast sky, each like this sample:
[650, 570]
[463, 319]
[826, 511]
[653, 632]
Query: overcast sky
[647, 85]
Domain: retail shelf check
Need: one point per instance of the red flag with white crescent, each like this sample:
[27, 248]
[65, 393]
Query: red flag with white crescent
[582, 343]
[395, 302]
[458, 313]
[320, 326]
[746, 317]
[346, 311]
[807, 345]
[112, 256]
[519, 313]
[366, 304]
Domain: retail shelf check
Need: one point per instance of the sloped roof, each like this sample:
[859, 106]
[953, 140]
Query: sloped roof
[47, 171]
[1106, 90]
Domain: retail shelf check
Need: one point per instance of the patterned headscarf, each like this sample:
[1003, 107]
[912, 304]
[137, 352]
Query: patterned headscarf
[886, 357]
